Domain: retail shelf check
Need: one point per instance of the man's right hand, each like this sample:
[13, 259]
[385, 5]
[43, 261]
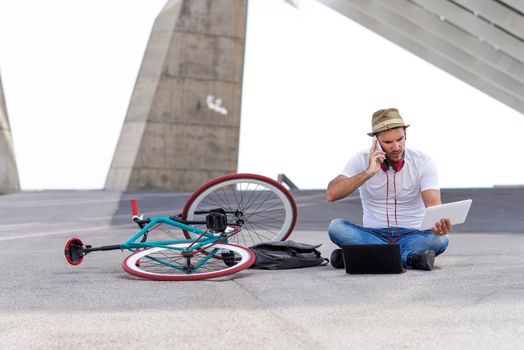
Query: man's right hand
[376, 158]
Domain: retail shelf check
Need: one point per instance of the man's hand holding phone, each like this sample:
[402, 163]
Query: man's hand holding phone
[376, 156]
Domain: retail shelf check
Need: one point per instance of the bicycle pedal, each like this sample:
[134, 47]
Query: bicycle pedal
[228, 258]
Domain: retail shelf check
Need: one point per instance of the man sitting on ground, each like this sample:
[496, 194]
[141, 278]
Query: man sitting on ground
[396, 184]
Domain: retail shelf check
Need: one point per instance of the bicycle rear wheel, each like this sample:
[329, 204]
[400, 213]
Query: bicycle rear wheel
[263, 208]
[171, 264]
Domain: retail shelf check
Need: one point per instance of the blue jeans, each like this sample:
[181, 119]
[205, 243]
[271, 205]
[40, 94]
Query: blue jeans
[343, 232]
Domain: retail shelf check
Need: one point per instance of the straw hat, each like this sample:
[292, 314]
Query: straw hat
[386, 119]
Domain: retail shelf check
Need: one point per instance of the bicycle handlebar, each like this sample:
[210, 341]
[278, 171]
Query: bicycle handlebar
[134, 208]
[142, 222]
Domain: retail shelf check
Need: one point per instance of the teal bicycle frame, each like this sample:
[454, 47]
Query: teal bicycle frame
[131, 244]
[206, 239]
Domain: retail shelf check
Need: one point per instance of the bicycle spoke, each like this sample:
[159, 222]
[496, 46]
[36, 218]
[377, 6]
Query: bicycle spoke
[230, 207]
[251, 196]
[269, 193]
[258, 233]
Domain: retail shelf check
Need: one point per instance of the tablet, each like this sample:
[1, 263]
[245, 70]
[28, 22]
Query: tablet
[456, 212]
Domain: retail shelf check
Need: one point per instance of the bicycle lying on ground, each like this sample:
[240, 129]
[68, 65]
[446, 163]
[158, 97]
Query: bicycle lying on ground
[219, 221]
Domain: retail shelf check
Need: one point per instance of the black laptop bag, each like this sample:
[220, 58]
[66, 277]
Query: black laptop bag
[286, 255]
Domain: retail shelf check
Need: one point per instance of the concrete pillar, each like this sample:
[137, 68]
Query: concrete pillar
[176, 134]
[8, 173]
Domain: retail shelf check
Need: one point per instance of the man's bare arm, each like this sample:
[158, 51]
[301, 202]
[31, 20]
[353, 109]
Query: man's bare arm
[430, 198]
[343, 186]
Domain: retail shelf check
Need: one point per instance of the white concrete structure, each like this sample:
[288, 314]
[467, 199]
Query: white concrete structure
[8, 172]
[479, 41]
[182, 125]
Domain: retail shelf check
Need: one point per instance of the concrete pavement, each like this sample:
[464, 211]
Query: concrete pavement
[474, 299]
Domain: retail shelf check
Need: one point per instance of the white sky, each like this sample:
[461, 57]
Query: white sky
[312, 79]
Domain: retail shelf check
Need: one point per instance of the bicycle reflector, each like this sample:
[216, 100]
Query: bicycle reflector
[216, 220]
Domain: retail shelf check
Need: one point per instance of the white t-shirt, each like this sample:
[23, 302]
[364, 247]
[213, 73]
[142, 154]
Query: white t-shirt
[418, 174]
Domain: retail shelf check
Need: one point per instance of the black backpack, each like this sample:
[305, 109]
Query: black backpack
[286, 255]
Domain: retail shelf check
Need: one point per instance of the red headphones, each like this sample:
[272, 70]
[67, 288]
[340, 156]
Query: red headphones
[397, 166]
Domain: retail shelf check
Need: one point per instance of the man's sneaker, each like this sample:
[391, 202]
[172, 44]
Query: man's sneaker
[337, 261]
[423, 260]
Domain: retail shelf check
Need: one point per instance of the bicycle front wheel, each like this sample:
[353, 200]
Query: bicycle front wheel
[263, 208]
[170, 263]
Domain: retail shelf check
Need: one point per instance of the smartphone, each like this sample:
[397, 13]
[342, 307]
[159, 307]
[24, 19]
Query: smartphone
[378, 147]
